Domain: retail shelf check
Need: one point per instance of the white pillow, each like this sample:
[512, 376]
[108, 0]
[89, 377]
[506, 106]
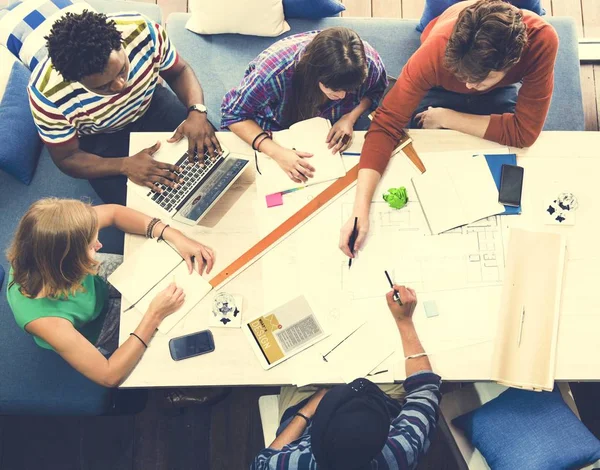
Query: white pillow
[251, 17]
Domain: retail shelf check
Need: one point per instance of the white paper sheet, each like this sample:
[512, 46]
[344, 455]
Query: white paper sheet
[149, 271]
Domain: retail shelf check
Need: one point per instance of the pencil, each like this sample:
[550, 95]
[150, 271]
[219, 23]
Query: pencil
[352, 241]
[355, 154]
[521, 327]
[396, 293]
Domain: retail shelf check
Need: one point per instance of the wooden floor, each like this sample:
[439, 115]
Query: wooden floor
[224, 437]
[227, 436]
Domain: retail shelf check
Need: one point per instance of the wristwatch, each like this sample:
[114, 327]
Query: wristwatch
[198, 107]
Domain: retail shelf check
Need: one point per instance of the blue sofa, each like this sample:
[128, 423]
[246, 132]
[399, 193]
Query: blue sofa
[36, 381]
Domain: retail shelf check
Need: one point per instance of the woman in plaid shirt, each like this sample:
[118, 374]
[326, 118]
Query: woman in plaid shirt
[332, 74]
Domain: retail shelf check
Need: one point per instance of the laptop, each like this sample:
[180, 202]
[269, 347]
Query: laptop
[204, 182]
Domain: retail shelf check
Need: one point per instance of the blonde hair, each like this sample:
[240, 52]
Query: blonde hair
[50, 250]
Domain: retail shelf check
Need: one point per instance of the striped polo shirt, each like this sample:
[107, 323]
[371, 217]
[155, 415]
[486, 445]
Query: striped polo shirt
[62, 109]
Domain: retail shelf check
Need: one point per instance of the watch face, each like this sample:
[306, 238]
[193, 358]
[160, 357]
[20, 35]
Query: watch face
[198, 107]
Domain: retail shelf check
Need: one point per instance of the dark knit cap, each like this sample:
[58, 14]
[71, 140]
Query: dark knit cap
[350, 426]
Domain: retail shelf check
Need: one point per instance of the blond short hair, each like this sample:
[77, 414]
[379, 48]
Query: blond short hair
[50, 250]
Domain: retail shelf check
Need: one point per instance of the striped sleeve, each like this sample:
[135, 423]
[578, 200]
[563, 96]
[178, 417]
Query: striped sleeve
[377, 81]
[54, 128]
[294, 456]
[168, 56]
[411, 430]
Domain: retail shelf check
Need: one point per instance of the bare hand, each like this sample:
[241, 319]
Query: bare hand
[311, 406]
[431, 118]
[363, 229]
[295, 165]
[200, 135]
[167, 302]
[144, 170]
[340, 134]
[192, 251]
[409, 302]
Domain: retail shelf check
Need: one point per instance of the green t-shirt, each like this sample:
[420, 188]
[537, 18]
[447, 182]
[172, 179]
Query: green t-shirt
[85, 310]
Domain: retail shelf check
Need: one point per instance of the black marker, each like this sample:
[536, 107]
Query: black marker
[353, 237]
[396, 293]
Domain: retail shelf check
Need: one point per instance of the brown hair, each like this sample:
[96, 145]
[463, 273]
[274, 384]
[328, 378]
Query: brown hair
[488, 36]
[336, 58]
[50, 250]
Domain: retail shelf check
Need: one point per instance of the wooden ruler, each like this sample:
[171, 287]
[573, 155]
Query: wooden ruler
[309, 210]
[287, 227]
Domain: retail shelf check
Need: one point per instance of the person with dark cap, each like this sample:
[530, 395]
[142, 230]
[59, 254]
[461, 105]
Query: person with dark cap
[358, 426]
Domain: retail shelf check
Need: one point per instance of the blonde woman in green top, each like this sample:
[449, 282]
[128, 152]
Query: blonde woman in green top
[57, 296]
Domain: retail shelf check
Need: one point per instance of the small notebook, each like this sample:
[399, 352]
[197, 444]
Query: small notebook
[284, 332]
[149, 271]
[306, 136]
[457, 193]
[527, 333]
[495, 162]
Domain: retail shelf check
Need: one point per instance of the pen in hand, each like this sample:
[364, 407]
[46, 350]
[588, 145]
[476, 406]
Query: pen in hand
[396, 293]
[353, 236]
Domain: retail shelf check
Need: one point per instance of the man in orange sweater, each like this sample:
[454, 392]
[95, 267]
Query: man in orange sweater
[472, 58]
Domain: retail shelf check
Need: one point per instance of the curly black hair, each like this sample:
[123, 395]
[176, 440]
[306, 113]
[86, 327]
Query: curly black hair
[80, 44]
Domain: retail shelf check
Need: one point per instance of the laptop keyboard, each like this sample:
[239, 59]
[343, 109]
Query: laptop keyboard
[192, 173]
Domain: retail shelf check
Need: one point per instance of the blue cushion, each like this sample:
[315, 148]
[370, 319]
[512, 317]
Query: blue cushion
[532, 430]
[312, 8]
[434, 8]
[21, 145]
[28, 22]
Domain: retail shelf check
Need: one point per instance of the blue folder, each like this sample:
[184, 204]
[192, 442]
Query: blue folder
[495, 163]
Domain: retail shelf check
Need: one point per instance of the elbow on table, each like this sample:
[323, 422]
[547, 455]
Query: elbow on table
[523, 139]
[110, 380]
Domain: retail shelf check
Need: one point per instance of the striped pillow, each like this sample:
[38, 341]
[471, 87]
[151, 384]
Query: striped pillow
[24, 24]
[21, 144]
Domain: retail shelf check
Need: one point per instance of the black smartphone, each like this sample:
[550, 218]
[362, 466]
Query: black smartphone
[191, 345]
[511, 185]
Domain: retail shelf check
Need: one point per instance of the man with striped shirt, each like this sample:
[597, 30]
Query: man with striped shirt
[357, 426]
[99, 83]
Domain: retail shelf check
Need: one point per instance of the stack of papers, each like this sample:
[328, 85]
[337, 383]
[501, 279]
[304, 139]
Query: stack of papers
[457, 193]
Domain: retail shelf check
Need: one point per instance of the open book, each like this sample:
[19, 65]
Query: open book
[525, 345]
[306, 136]
[149, 271]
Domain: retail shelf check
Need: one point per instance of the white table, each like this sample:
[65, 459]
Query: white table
[569, 160]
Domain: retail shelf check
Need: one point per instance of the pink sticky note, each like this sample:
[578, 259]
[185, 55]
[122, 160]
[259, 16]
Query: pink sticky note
[274, 200]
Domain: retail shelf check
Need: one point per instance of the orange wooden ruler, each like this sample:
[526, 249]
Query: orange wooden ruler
[287, 227]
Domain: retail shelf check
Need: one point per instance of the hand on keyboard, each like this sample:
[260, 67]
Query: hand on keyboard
[144, 170]
[200, 134]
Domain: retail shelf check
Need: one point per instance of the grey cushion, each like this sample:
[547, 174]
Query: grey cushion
[220, 60]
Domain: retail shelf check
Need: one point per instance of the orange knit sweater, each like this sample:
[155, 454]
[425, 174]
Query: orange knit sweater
[425, 70]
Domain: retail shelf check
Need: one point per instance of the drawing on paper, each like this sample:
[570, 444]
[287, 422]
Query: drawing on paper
[470, 256]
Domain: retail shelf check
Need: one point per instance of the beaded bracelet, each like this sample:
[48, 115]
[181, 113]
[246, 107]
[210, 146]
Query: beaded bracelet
[151, 226]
